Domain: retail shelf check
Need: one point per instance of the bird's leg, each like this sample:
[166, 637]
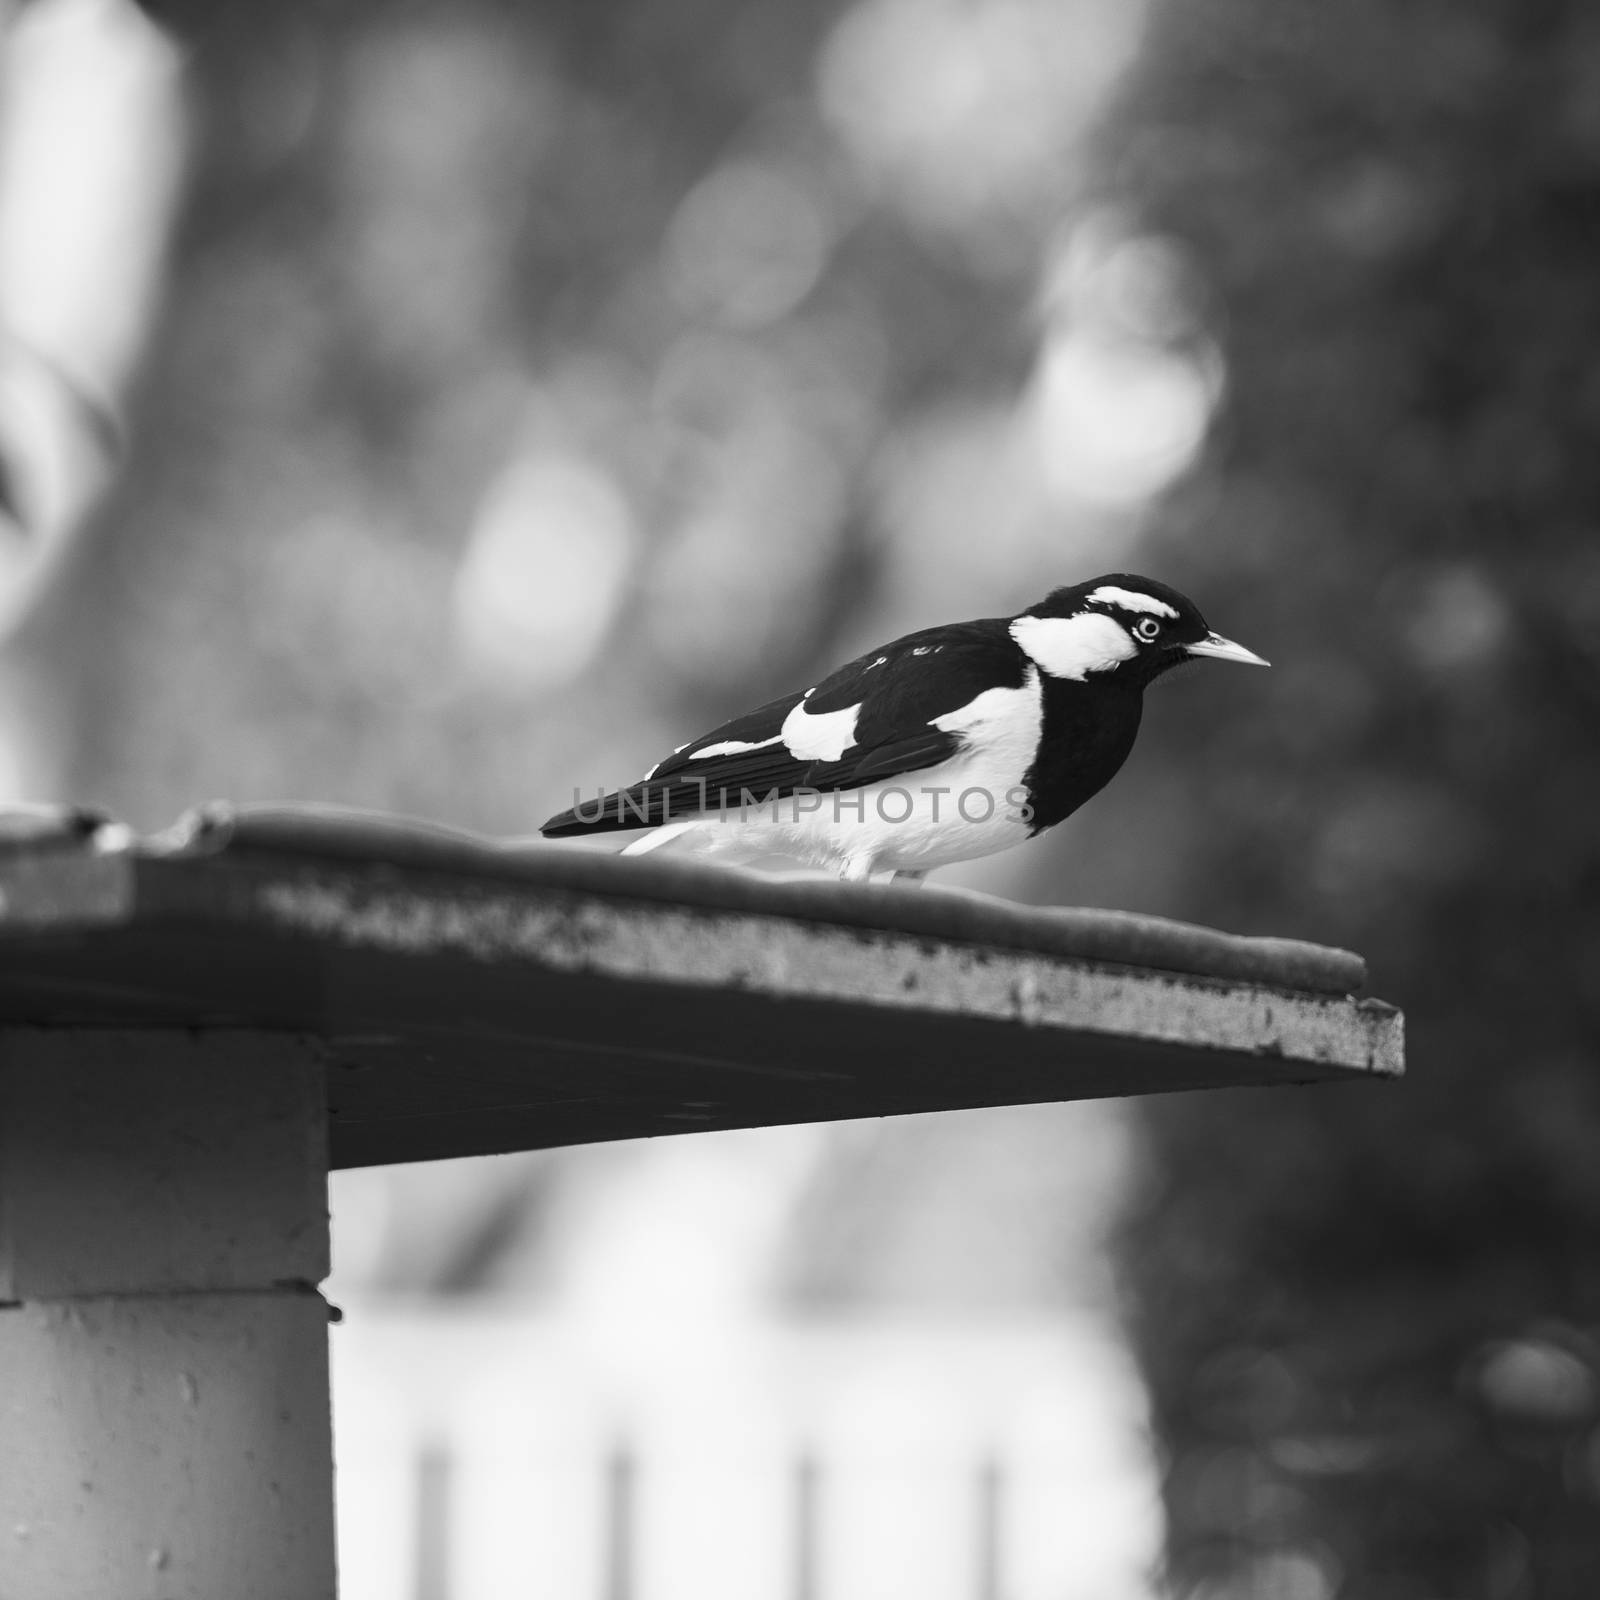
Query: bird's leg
[856, 869]
[910, 875]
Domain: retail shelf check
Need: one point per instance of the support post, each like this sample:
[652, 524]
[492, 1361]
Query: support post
[164, 1414]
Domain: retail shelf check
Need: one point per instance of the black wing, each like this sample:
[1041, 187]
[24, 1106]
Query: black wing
[899, 690]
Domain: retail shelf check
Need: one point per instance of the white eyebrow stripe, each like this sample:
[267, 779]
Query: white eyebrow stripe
[732, 747]
[1132, 600]
[824, 736]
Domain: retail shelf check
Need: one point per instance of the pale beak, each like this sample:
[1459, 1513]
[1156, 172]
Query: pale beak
[1225, 650]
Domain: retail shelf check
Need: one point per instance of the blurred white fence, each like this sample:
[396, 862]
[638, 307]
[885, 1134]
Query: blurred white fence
[505, 1456]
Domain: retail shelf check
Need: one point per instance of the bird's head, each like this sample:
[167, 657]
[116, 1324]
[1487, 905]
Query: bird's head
[1119, 628]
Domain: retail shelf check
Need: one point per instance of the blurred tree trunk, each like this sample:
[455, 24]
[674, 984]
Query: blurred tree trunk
[1370, 1316]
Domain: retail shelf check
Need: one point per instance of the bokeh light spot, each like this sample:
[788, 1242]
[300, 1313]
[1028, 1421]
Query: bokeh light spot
[543, 573]
[747, 245]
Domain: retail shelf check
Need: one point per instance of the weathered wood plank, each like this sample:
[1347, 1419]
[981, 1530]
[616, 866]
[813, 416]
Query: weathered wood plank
[472, 998]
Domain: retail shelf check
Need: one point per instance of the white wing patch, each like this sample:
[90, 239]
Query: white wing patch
[1131, 600]
[677, 750]
[824, 737]
[733, 747]
[1073, 647]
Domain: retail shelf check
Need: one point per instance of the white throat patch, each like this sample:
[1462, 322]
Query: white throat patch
[1073, 647]
[1131, 600]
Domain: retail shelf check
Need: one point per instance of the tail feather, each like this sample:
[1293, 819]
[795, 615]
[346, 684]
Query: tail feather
[641, 805]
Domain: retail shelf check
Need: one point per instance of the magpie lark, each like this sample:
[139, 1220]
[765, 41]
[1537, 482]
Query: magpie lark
[950, 743]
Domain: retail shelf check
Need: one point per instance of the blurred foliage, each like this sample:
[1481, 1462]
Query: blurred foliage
[536, 383]
[1370, 1315]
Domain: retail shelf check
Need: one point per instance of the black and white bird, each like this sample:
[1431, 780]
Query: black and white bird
[950, 743]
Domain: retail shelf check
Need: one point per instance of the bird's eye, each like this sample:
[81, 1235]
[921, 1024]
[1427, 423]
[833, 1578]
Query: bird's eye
[1147, 628]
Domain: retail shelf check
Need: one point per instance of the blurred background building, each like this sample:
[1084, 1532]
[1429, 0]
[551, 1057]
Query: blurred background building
[441, 407]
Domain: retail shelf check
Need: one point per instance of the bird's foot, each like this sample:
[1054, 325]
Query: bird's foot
[909, 876]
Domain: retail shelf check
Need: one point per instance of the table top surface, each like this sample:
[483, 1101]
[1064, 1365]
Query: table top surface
[474, 996]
